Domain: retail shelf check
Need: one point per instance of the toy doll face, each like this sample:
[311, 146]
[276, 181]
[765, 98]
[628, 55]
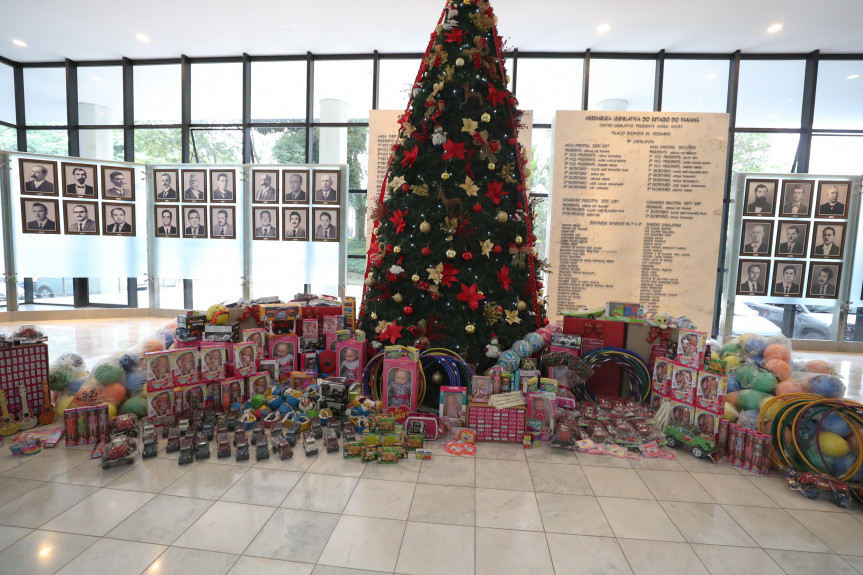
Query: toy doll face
[661, 372]
[246, 356]
[160, 403]
[709, 387]
[451, 401]
[351, 354]
[256, 338]
[160, 367]
[282, 349]
[681, 415]
[235, 390]
[214, 360]
[185, 363]
[402, 377]
[705, 424]
[260, 385]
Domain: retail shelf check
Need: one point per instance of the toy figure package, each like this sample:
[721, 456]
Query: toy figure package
[453, 405]
[283, 349]
[213, 362]
[480, 386]
[401, 380]
[351, 358]
[690, 347]
[540, 414]
[662, 371]
[245, 359]
[710, 394]
[259, 383]
[256, 335]
[233, 391]
[683, 380]
[185, 366]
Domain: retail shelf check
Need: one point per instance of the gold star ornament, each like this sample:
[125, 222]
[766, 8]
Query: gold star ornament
[436, 273]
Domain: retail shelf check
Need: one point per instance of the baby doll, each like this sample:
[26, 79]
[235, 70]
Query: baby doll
[452, 407]
[399, 393]
[350, 363]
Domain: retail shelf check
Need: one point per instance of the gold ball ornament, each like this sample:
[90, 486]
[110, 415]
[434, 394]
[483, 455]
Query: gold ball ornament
[444, 176]
[518, 240]
[425, 227]
[469, 328]
[437, 378]
[438, 29]
[370, 281]
[397, 297]
[485, 117]
[376, 231]
[450, 254]
[491, 165]
[508, 79]
[397, 250]
[502, 217]
[415, 278]
[521, 305]
[373, 316]
[467, 2]
[459, 62]
[525, 171]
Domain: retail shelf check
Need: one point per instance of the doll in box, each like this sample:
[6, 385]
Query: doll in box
[244, 359]
[681, 415]
[349, 363]
[260, 384]
[158, 366]
[185, 366]
[195, 396]
[540, 413]
[214, 364]
[160, 404]
[399, 388]
[682, 387]
[284, 352]
[256, 336]
[660, 378]
[707, 423]
[453, 405]
[480, 387]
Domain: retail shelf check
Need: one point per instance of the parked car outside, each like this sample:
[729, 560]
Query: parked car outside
[806, 325]
[747, 320]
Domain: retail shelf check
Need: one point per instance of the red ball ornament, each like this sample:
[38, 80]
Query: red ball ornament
[477, 208]
[500, 308]
[511, 141]
[497, 249]
[520, 188]
[408, 310]
[545, 321]
[533, 237]
[426, 251]
[406, 187]
[539, 285]
[467, 256]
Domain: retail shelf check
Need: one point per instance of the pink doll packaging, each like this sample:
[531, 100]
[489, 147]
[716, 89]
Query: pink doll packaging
[681, 414]
[259, 383]
[662, 370]
[683, 381]
[401, 380]
[160, 400]
[310, 328]
[258, 336]
[194, 396]
[350, 356]
[710, 392]
[540, 414]
[707, 423]
[245, 359]
[332, 324]
[213, 361]
[453, 405]
[270, 366]
[233, 391]
[283, 348]
[159, 368]
[184, 364]
[690, 347]
[227, 352]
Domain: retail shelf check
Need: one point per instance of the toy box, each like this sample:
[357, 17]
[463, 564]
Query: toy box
[400, 382]
[227, 332]
[422, 423]
[257, 335]
[194, 396]
[349, 311]
[332, 324]
[351, 358]
[310, 327]
[625, 312]
[86, 425]
[245, 363]
[259, 383]
[233, 391]
[300, 380]
[159, 367]
[681, 414]
[710, 392]
[309, 362]
[503, 425]
[271, 367]
[213, 362]
[690, 347]
[683, 381]
[540, 414]
[280, 312]
[184, 364]
[501, 381]
[706, 422]
[662, 371]
[160, 398]
[596, 334]
[480, 387]
[193, 324]
[453, 405]
[283, 348]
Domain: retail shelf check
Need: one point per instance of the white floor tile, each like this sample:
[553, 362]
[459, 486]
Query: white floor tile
[504, 551]
[556, 478]
[572, 514]
[775, 529]
[593, 555]
[262, 487]
[153, 476]
[12, 488]
[502, 509]
[326, 493]
[113, 557]
[383, 499]
[506, 451]
[364, 543]
[180, 561]
[259, 566]
[721, 560]
[661, 558]
[294, 535]
[99, 513]
[443, 504]
[733, 490]
[226, 527]
[777, 489]
[44, 552]
[9, 535]
[37, 507]
[801, 563]
[334, 464]
[706, 523]
[503, 474]
[674, 486]
[635, 519]
[433, 549]
[206, 481]
[841, 532]
[162, 520]
[544, 454]
[611, 482]
[91, 473]
[448, 470]
[406, 470]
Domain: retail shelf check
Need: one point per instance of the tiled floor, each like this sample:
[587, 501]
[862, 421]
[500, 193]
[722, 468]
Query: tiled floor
[509, 510]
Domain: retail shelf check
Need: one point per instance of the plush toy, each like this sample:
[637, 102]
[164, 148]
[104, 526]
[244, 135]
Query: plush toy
[492, 350]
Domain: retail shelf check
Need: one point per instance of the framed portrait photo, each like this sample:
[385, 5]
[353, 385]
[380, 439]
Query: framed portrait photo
[40, 216]
[824, 280]
[295, 184]
[828, 241]
[118, 183]
[167, 221]
[796, 198]
[266, 222]
[832, 200]
[266, 186]
[753, 277]
[222, 186]
[194, 186]
[791, 238]
[326, 224]
[760, 197]
[788, 278]
[295, 223]
[118, 219]
[326, 186]
[195, 222]
[38, 178]
[79, 180]
[224, 222]
[756, 238]
[165, 184]
[82, 217]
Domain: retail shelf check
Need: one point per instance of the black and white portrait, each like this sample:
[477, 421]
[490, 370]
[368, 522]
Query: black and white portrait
[266, 223]
[82, 218]
[828, 240]
[118, 183]
[326, 184]
[823, 280]
[796, 198]
[194, 186]
[752, 277]
[38, 177]
[165, 183]
[222, 186]
[295, 222]
[791, 238]
[266, 186]
[787, 279]
[79, 181]
[295, 186]
[760, 197]
[194, 222]
[118, 219]
[223, 219]
[39, 216]
[756, 240]
[832, 200]
[326, 222]
[166, 221]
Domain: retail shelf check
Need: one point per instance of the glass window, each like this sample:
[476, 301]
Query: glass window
[279, 145]
[343, 90]
[344, 146]
[545, 85]
[158, 94]
[540, 161]
[395, 80]
[45, 96]
[7, 94]
[100, 96]
[618, 85]
[695, 86]
[217, 93]
[770, 93]
[357, 225]
[216, 146]
[839, 93]
[54, 142]
[158, 146]
[540, 224]
[836, 155]
[279, 91]
[101, 144]
[765, 152]
[8, 138]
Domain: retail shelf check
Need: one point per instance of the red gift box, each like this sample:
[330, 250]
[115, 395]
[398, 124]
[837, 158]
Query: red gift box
[594, 335]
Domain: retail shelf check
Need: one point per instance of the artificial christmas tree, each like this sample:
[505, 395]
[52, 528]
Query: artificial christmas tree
[452, 261]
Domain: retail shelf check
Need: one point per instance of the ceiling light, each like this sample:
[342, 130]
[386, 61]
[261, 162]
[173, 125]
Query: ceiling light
[603, 28]
[711, 76]
[19, 43]
[142, 37]
[774, 28]
[852, 77]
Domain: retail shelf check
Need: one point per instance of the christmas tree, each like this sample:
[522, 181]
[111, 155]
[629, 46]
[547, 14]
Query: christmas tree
[452, 261]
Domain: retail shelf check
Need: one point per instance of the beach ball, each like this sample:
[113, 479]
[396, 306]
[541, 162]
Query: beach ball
[832, 444]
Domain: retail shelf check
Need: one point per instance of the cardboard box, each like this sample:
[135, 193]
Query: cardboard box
[594, 335]
[501, 425]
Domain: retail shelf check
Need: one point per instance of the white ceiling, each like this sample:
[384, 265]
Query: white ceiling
[106, 29]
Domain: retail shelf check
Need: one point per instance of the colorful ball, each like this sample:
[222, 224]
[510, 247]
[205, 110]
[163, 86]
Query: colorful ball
[748, 418]
[730, 348]
[745, 375]
[818, 366]
[534, 340]
[733, 384]
[135, 382]
[842, 465]
[59, 378]
[827, 386]
[115, 393]
[75, 385]
[217, 314]
[751, 399]
[522, 348]
[508, 360]
[732, 398]
[832, 444]
[129, 361]
[788, 386]
[108, 371]
[72, 360]
[779, 368]
[764, 381]
[835, 423]
[137, 404]
[112, 411]
[731, 412]
[152, 344]
[732, 361]
[776, 351]
[90, 395]
[755, 345]
[816, 459]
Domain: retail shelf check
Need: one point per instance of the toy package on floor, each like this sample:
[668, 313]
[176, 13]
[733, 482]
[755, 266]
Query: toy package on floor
[213, 364]
[400, 378]
[453, 406]
[86, 425]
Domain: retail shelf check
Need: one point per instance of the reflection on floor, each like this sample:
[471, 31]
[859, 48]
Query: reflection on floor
[509, 510]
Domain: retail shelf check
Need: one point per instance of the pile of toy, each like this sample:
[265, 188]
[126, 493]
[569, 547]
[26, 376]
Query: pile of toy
[383, 441]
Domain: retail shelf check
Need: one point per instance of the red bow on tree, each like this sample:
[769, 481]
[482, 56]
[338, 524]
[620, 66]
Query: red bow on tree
[470, 296]
[487, 146]
[410, 157]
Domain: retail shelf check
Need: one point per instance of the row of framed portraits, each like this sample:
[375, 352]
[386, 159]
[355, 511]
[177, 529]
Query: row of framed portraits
[789, 278]
[831, 200]
[792, 239]
[39, 178]
[79, 217]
